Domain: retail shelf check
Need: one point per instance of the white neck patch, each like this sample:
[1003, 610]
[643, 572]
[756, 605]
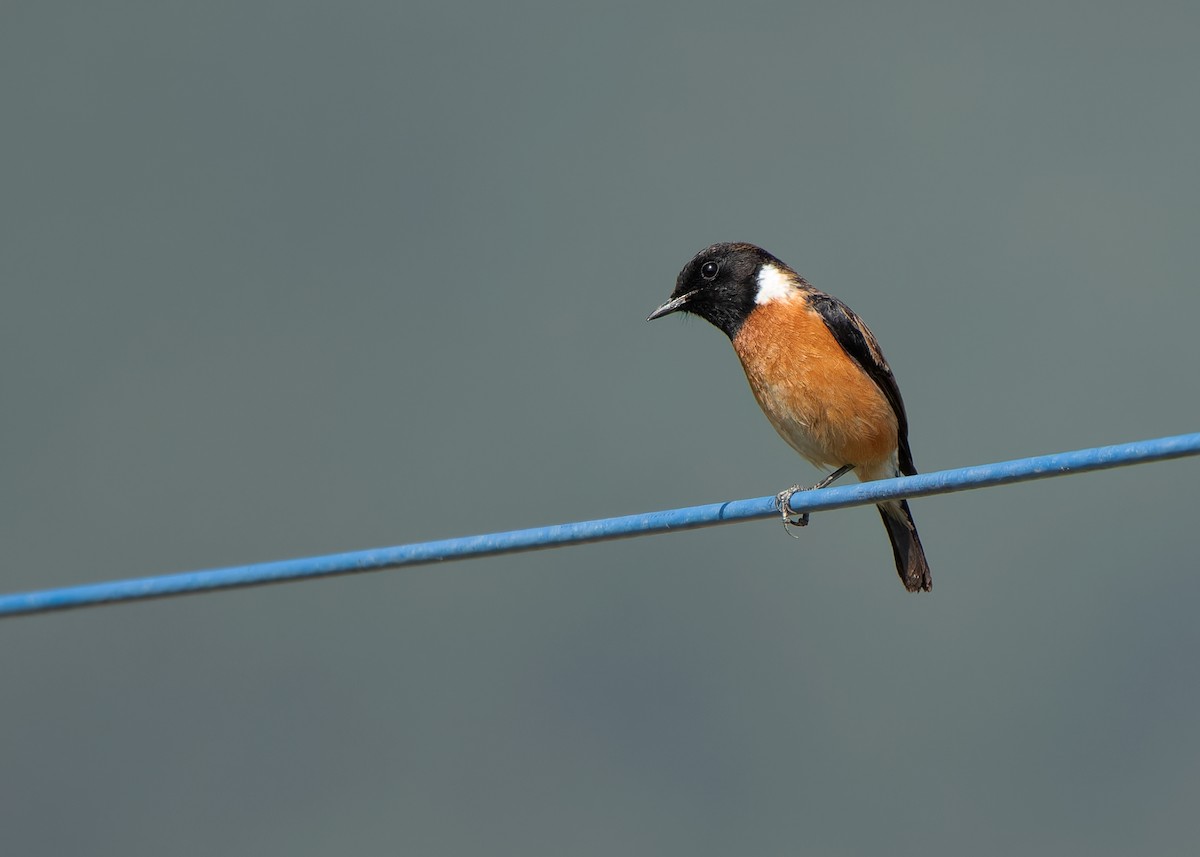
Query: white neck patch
[773, 285]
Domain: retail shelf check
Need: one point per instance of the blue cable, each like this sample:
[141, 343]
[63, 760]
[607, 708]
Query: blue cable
[835, 497]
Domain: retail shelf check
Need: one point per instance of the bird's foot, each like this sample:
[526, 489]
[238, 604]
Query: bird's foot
[783, 500]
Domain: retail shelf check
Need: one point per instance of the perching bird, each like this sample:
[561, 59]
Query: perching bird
[817, 373]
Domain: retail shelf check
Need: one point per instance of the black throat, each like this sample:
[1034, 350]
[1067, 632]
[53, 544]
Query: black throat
[725, 308]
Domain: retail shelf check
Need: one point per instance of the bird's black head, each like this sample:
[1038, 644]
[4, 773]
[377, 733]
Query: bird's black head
[722, 284]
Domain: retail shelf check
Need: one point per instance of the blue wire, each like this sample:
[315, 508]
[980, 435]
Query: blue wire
[835, 497]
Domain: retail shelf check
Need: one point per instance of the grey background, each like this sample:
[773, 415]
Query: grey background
[287, 279]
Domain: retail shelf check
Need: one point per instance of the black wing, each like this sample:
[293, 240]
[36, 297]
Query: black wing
[858, 341]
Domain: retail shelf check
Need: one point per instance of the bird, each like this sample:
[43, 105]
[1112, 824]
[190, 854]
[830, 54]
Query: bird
[816, 371]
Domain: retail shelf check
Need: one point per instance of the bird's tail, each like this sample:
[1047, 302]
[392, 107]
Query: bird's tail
[906, 545]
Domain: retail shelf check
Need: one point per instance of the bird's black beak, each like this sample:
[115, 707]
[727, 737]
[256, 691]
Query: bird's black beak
[673, 305]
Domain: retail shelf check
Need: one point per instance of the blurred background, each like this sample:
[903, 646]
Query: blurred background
[288, 279]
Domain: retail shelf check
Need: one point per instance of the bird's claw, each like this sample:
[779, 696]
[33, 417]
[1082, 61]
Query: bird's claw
[783, 500]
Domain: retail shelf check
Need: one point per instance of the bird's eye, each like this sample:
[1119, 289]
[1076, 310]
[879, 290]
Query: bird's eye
[709, 270]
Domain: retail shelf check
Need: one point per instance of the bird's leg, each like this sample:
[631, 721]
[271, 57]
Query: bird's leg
[784, 498]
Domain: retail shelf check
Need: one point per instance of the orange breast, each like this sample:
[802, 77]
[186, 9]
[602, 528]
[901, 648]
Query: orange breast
[815, 395]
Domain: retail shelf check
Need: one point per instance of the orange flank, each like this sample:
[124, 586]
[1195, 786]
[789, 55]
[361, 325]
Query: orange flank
[818, 398]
